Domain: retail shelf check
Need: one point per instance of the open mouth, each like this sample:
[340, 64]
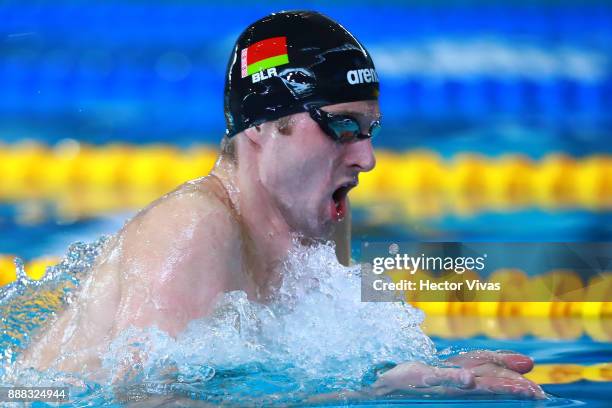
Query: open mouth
[338, 205]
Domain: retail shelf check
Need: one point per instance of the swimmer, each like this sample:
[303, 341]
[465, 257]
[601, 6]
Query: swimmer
[301, 108]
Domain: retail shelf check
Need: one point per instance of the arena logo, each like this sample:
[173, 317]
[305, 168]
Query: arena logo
[359, 76]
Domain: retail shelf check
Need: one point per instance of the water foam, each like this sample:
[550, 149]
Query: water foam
[26, 304]
[315, 331]
[315, 335]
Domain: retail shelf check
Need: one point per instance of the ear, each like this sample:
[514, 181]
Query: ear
[254, 134]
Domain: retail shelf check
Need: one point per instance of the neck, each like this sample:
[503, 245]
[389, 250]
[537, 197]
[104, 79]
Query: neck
[268, 234]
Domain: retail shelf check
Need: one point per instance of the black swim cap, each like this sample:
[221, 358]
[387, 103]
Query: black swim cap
[290, 60]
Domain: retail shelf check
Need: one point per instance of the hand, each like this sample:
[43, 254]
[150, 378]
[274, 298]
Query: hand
[479, 373]
[499, 372]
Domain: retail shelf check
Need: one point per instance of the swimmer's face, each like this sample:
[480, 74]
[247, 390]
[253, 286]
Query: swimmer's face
[309, 175]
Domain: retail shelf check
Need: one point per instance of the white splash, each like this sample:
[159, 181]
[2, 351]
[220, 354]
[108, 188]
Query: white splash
[316, 323]
[314, 336]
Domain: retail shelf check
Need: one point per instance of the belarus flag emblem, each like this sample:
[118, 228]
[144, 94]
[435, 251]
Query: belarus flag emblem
[263, 55]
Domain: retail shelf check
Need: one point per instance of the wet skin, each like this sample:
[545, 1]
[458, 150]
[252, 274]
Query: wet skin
[229, 231]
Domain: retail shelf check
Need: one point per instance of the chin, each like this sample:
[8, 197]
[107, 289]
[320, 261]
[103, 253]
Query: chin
[324, 230]
[321, 230]
[312, 224]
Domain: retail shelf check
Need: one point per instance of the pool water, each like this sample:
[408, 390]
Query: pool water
[532, 82]
[322, 342]
[582, 351]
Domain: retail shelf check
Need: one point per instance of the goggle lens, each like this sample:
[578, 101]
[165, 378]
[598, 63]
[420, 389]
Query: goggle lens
[343, 128]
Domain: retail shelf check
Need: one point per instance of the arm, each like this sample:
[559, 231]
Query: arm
[179, 257]
[482, 373]
[414, 379]
[165, 268]
[479, 373]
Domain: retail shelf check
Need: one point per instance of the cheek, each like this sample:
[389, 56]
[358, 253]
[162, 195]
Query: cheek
[296, 173]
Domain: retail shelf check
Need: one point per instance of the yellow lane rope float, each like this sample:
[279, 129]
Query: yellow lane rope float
[35, 269]
[569, 373]
[416, 183]
[552, 305]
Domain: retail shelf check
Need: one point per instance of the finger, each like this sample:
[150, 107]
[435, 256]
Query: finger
[494, 374]
[418, 375]
[510, 360]
[484, 387]
[488, 387]
[494, 370]
[522, 388]
[453, 377]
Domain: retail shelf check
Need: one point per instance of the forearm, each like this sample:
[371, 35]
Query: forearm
[373, 384]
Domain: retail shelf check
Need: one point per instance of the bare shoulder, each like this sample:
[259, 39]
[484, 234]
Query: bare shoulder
[165, 267]
[195, 215]
[179, 255]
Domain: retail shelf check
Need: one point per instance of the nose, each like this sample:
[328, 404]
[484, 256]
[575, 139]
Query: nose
[360, 155]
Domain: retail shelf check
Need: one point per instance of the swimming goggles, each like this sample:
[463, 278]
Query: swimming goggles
[342, 128]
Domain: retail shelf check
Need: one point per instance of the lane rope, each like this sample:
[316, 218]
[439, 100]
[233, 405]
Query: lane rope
[418, 182]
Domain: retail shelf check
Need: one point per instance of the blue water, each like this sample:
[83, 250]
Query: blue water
[257, 376]
[51, 234]
[152, 72]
